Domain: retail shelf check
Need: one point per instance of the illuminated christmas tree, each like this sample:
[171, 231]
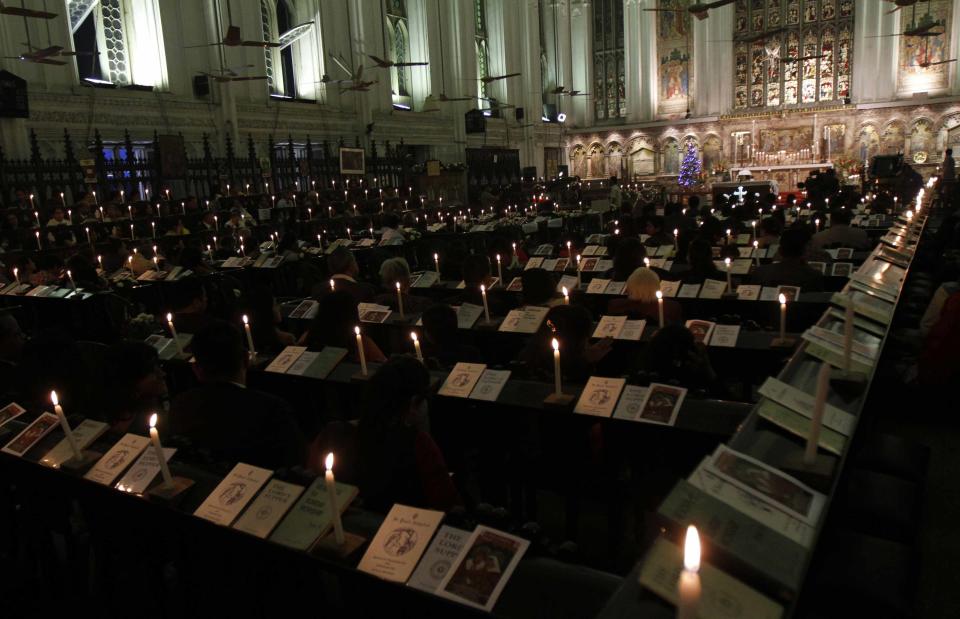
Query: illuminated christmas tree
[689, 168]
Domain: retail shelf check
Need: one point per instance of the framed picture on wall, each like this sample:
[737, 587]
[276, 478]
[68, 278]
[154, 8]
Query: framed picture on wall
[352, 161]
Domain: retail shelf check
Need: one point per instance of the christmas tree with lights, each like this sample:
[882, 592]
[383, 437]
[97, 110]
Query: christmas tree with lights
[689, 168]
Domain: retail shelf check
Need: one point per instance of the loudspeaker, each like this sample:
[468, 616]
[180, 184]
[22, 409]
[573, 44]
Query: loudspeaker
[201, 86]
[519, 113]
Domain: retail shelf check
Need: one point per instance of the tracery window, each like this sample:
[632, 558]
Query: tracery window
[609, 86]
[482, 47]
[98, 37]
[398, 29]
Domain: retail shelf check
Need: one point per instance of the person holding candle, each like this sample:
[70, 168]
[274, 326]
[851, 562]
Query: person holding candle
[476, 272]
[572, 326]
[265, 320]
[333, 326]
[442, 343]
[345, 272]
[395, 271]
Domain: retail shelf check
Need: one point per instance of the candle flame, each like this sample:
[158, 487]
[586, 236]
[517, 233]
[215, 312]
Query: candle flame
[153, 420]
[565, 291]
[483, 288]
[54, 398]
[328, 461]
[398, 286]
[246, 320]
[555, 344]
[783, 299]
[413, 336]
[691, 550]
[169, 317]
[356, 330]
[726, 261]
[659, 295]
[498, 257]
[436, 256]
[676, 232]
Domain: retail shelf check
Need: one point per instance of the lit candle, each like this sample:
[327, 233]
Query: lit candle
[416, 346]
[676, 239]
[173, 333]
[16, 275]
[756, 252]
[754, 225]
[63, 200]
[100, 261]
[349, 238]
[557, 386]
[816, 223]
[31, 200]
[363, 357]
[688, 586]
[246, 327]
[579, 282]
[38, 240]
[133, 236]
[309, 213]
[65, 425]
[332, 287]
[215, 241]
[660, 307]
[499, 269]
[88, 235]
[158, 449]
[216, 223]
[566, 296]
[726, 261]
[436, 263]
[95, 201]
[168, 193]
[36, 215]
[400, 299]
[486, 309]
[73, 284]
[130, 211]
[783, 317]
[153, 229]
[331, 484]
[130, 263]
[101, 214]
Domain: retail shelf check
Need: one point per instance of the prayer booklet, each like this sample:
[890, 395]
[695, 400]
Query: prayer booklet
[744, 239]
[689, 291]
[403, 537]
[833, 355]
[669, 289]
[661, 404]
[664, 251]
[748, 292]
[525, 320]
[424, 279]
[287, 357]
[842, 269]
[800, 425]
[713, 289]
[268, 508]
[467, 315]
[725, 336]
[560, 266]
[597, 285]
[371, 312]
[632, 330]
[84, 434]
[534, 263]
[701, 330]
[311, 517]
[543, 250]
[609, 326]
[603, 266]
[462, 380]
[443, 551]
[615, 288]
[483, 568]
[866, 305]
[306, 310]
[10, 412]
[768, 483]
[631, 401]
[31, 435]
[318, 364]
[568, 281]
[768, 293]
[515, 285]
[722, 595]
[231, 495]
[589, 264]
[820, 266]
[142, 473]
[117, 459]
[599, 396]
[740, 266]
[490, 385]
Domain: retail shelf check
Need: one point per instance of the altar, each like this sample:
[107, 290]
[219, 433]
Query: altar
[785, 175]
[747, 192]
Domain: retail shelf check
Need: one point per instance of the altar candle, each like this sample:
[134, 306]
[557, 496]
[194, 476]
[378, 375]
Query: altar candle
[71, 439]
[158, 450]
[486, 309]
[688, 586]
[499, 269]
[816, 420]
[73, 284]
[246, 327]
[436, 263]
[363, 357]
[173, 333]
[416, 346]
[566, 296]
[847, 334]
[726, 261]
[660, 307]
[400, 299]
[331, 483]
[783, 317]
[579, 282]
[557, 386]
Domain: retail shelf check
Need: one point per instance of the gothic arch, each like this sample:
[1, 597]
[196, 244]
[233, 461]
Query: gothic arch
[893, 138]
[596, 161]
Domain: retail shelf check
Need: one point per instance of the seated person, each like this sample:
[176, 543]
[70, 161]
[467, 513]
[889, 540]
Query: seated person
[700, 265]
[628, 258]
[190, 307]
[265, 319]
[792, 269]
[397, 462]
[441, 338]
[840, 233]
[476, 271]
[659, 235]
[344, 272]
[768, 232]
[391, 228]
[139, 389]
[641, 300]
[539, 288]
[674, 356]
[392, 272]
[334, 326]
[572, 326]
[234, 423]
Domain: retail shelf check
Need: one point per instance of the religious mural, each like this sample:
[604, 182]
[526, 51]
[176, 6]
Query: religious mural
[671, 157]
[578, 162]
[892, 139]
[614, 160]
[924, 62]
[921, 143]
[673, 51]
[595, 165]
[869, 143]
[712, 153]
[789, 140]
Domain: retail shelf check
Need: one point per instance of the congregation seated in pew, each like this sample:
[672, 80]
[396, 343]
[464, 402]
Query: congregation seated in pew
[395, 271]
[265, 321]
[700, 266]
[572, 326]
[840, 233]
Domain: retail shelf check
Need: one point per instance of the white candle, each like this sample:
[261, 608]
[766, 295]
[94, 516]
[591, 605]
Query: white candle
[332, 287]
[499, 269]
[566, 296]
[100, 261]
[95, 201]
[31, 200]
[416, 346]
[783, 317]
[816, 224]
[756, 253]
[158, 449]
[133, 236]
[579, 282]
[36, 214]
[88, 235]
[557, 386]
[660, 307]
[436, 263]
[676, 239]
[65, 425]
[38, 240]
[816, 420]
[688, 585]
[331, 483]
[726, 261]
[486, 309]
[16, 275]
[400, 299]
[246, 327]
[129, 211]
[73, 284]
[363, 357]
[63, 201]
[173, 333]
[215, 241]
[153, 229]
[754, 225]
[847, 335]
[216, 223]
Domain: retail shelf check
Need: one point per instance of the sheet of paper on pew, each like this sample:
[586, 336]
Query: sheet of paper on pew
[744, 239]
[567, 281]
[689, 291]
[483, 568]
[599, 396]
[841, 253]
[557, 265]
[802, 403]
[529, 227]
[311, 517]
[400, 541]
[833, 355]
[268, 508]
[615, 288]
[768, 483]
[84, 434]
[869, 349]
[878, 292]
[619, 328]
[39, 291]
[669, 289]
[59, 293]
[143, 471]
[424, 279]
[29, 436]
[604, 265]
[236, 262]
[232, 494]
[598, 285]
[117, 459]
[10, 412]
[462, 379]
[597, 239]
[713, 289]
[287, 357]
[546, 249]
[860, 323]
[271, 262]
[305, 310]
[723, 595]
[725, 336]
[121, 275]
[887, 287]
[371, 312]
[367, 242]
[318, 364]
[493, 282]
[799, 426]
[631, 403]
[490, 385]
[701, 330]
[595, 250]
[443, 551]
[525, 320]
[534, 263]
[898, 258]
[15, 289]
[589, 264]
[841, 269]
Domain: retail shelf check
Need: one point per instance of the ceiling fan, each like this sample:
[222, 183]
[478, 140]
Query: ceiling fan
[232, 37]
[21, 11]
[381, 63]
[46, 55]
[356, 81]
[231, 74]
[574, 93]
[802, 58]
[700, 10]
[493, 78]
[903, 4]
